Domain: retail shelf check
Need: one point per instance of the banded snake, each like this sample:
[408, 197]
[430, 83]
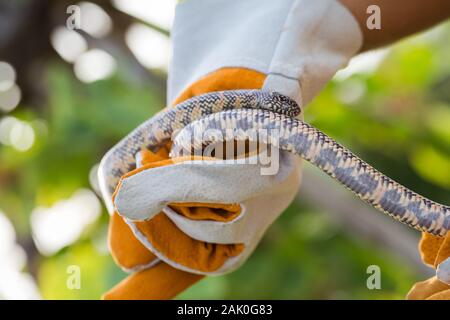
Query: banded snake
[243, 111]
[273, 112]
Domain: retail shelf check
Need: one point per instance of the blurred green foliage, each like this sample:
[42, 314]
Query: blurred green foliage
[304, 256]
[397, 118]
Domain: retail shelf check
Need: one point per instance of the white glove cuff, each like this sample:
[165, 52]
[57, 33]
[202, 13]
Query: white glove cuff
[299, 44]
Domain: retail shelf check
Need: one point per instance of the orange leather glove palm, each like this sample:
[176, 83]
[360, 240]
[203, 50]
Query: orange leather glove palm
[434, 250]
[154, 279]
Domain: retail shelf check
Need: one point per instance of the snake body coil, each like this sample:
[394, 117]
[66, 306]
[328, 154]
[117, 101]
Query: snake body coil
[314, 146]
[159, 129]
[274, 114]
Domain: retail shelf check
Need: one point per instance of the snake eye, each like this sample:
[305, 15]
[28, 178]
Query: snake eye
[283, 98]
[286, 103]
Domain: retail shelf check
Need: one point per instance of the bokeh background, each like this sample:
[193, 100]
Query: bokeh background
[67, 96]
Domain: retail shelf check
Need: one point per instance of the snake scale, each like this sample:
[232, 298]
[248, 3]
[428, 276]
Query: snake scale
[271, 112]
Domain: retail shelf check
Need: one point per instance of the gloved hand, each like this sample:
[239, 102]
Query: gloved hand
[205, 216]
[245, 204]
[435, 252]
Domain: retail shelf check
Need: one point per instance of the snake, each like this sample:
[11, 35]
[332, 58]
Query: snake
[236, 114]
[158, 130]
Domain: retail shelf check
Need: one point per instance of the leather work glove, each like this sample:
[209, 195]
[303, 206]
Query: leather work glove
[434, 251]
[177, 220]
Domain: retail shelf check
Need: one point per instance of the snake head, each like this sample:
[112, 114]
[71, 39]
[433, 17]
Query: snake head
[279, 103]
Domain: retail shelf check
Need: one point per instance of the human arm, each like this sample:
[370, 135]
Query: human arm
[399, 18]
